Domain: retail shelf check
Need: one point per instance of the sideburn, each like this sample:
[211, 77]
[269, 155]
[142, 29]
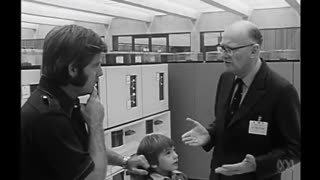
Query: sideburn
[80, 79]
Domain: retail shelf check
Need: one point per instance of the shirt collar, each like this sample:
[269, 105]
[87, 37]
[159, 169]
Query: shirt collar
[247, 80]
[53, 90]
[157, 176]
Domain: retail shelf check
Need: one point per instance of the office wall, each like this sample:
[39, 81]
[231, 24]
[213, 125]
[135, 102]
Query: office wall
[42, 31]
[215, 21]
[192, 89]
[27, 33]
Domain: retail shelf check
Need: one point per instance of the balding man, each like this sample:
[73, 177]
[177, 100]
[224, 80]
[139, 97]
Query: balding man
[256, 131]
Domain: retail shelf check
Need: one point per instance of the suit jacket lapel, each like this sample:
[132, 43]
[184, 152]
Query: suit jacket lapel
[254, 94]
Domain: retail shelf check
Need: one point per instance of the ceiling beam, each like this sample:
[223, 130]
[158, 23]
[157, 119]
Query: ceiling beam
[60, 13]
[233, 6]
[164, 6]
[29, 25]
[294, 4]
[97, 8]
[44, 20]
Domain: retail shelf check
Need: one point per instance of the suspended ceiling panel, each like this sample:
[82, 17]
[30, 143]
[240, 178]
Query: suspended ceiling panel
[133, 8]
[103, 11]
[266, 4]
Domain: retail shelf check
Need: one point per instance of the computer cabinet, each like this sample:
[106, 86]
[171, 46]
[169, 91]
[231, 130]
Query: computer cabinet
[29, 81]
[154, 88]
[137, 105]
[124, 94]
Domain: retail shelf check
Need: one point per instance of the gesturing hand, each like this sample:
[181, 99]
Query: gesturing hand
[246, 166]
[197, 136]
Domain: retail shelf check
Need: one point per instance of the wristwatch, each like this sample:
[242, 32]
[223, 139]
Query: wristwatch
[125, 161]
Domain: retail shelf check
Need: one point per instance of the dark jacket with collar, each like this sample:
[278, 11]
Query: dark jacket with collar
[276, 101]
[54, 139]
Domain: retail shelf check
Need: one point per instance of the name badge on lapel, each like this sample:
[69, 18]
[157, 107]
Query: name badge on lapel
[258, 127]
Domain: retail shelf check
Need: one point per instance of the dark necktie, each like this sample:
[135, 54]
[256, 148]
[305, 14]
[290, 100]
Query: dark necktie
[236, 98]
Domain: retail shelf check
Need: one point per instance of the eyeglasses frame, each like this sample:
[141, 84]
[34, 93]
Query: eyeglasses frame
[230, 50]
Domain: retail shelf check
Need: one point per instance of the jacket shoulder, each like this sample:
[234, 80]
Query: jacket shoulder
[43, 102]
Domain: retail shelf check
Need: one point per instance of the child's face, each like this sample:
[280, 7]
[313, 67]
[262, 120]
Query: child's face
[168, 160]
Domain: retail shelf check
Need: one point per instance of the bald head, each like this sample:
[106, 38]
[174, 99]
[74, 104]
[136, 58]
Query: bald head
[243, 32]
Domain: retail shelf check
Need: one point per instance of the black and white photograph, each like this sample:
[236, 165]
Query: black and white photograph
[160, 90]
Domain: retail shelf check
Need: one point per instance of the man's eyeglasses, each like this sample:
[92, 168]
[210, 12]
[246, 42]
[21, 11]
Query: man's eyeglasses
[229, 50]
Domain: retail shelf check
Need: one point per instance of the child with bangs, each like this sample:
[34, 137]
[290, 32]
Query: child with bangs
[160, 153]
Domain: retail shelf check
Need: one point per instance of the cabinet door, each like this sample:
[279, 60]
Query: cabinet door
[29, 81]
[287, 175]
[292, 173]
[124, 139]
[160, 124]
[296, 172]
[154, 89]
[124, 94]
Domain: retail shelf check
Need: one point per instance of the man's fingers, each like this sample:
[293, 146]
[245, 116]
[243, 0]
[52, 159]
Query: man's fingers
[187, 138]
[141, 162]
[192, 143]
[138, 171]
[194, 122]
[144, 161]
[221, 170]
[94, 92]
[237, 168]
[249, 158]
[226, 172]
[232, 167]
[186, 135]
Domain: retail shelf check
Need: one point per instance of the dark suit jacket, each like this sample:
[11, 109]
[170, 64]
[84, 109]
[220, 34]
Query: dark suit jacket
[276, 101]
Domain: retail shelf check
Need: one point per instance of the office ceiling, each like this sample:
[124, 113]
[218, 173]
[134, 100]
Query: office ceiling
[60, 12]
